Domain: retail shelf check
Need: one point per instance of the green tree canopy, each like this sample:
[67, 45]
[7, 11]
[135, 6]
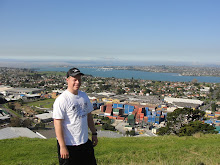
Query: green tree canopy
[185, 122]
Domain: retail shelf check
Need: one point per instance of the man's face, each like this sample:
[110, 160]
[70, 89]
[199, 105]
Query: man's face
[74, 82]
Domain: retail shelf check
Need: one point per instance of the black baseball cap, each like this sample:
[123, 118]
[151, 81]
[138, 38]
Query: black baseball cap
[73, 72]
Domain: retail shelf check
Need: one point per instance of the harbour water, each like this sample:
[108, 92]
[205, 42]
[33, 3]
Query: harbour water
[128, 74]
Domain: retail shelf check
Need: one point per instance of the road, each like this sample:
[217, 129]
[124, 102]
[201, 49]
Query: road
[8, 110]
[214, 96]
[205, 107]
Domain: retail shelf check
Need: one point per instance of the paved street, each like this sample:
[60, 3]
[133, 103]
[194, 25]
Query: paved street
[7, 110]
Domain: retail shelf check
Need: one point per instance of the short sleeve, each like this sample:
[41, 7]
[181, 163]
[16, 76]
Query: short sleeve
[90, 107]
[58, 109]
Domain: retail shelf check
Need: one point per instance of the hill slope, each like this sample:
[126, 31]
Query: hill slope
[127, 150]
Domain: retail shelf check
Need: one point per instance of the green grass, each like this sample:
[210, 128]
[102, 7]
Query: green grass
[166, 150]
[12, 111]
[52, 73]
[49, 73]
[47, 103]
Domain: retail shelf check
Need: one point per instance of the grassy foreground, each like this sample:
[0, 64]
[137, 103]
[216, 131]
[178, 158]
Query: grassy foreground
[166, 150]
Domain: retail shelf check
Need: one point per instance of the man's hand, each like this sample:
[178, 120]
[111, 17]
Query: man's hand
[94, 140]
[64, 153]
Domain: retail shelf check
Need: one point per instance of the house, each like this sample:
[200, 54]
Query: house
[155, 130]
[4, 116]
[205, 89]
[15, 132]
[45, 117]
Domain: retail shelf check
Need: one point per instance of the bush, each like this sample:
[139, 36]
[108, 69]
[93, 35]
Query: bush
[195, 127]
[16, 122]
[11, 106]
[107, 126]
[132, 133]
[40, 125]
[27, 123]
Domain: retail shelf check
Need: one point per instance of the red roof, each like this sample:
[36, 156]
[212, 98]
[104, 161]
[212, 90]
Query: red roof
[108, 110]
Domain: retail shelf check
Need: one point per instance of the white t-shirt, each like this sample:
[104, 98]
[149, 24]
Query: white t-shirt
[73, 109]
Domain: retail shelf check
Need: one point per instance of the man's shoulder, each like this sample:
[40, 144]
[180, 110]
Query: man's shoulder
[81, 93]
[62, 96]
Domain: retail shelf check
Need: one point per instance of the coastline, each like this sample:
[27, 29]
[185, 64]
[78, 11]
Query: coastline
[183, 71]
[136, 74]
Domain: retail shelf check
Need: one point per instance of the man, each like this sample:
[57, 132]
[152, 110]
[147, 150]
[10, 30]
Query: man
[72, 117]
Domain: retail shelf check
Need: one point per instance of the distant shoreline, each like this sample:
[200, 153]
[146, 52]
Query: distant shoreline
[182, 71]
[136, 74]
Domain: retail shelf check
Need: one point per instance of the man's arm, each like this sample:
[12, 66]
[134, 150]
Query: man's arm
[92, 128]
[64, 153]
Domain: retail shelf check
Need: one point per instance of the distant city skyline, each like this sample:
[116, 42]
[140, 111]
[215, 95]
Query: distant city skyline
[110, 32]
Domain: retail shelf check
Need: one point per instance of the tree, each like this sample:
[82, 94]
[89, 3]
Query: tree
[127, 132]
[104, 126]
[214, 106]
[21, 102]
[15, 122]
[194, 81]
[11, 106]
[2, 100]
[120, 91]
[185, 122]
[147, 91]
[42, 83]
[107, 126]
[132, 133]
[27, 123]
[40, 125]
[164, 130]
[196, 126]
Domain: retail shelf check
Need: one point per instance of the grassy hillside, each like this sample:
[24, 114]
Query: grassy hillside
[47, 103]
[166, 150]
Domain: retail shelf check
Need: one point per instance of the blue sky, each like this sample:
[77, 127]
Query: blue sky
[111, 30]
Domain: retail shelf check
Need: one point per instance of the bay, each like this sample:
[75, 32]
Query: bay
[128, 74]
